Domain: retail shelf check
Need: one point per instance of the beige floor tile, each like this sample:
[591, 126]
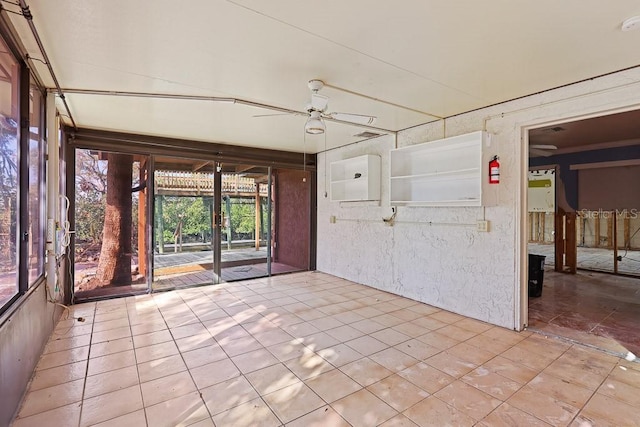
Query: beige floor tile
[72, 331]
[188, 330]
[399, 421]
[64, 416]
[470, 353]
[132, 419]
[180, 411]
[273, 337]
[446, 316]
[195, 342]
[168, 387]
[491, 383]
[365, 371]
[390, 336]
[203, 356]
[411, 329]
[429, 323]
[110, 347]
[56, 343]
[288, 350]
[508, 416]
[606, 411]
[333, 385]
[319, 341]
[576, 373]
[158, 368]
[273, 378]
[456, 332]
[406, 315]
[329, 322]
[213, 373]
[51, 397]
[531, 360]
[111, 405]
[627, 373]
[434, 412]
[560, 389]
[542, 344]
[254, 360]
[58, 375]
[293, 401]
[366, 345]
[424, 309]
[255, 413]
[393, 359]
[228, 394]
[156, 337]
[510, 369]
[110, 381]
[324, 416]
[451, 364]
[156, 351]
[59, 358]
[398, 392]
[438, 340]
[297, 330]
[488, 344]
[240, 345]
[368, 326]
[111, 362]
[308, 366]
[339, 355]
[204, 423]
[387, 319]
[426, 377]
[621, 391]
[111, 324]
[363, 408]
[417, 349]
[111, 334]
[541, 406]
[473, 402]
[147, 328]
[344, 333]
[473, 325]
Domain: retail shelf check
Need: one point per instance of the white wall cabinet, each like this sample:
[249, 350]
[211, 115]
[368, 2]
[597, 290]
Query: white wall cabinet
[356, 179]
[448, 172]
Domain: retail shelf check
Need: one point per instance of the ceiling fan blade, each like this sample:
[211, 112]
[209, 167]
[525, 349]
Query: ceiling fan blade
[360, 119]
[539, 153]
[543, 147]
[319, 102]
[271, 115]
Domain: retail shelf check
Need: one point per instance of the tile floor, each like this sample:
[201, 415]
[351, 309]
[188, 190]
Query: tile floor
[593, 308]
[310, 349]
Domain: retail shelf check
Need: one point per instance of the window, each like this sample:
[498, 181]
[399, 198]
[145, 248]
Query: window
[9, 143]
[36, 186]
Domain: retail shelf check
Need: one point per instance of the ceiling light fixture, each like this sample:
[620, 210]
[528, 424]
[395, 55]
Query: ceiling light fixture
[632, 23]
[315, 125]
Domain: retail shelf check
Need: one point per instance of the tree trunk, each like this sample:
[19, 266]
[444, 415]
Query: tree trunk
[114, 266]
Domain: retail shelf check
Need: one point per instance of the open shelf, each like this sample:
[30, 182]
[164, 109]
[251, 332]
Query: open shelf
[448, 172]
[356, 179]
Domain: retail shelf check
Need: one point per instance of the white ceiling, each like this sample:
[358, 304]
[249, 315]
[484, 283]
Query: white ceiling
[437, 58]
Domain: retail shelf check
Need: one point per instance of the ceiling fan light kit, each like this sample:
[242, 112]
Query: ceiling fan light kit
[314, 125]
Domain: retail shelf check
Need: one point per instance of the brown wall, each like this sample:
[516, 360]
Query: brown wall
[292, 218]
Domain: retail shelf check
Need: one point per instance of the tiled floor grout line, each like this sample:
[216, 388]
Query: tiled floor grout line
[135, 358]
[86, 373]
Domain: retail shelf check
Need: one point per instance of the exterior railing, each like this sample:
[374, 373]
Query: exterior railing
[203, 182]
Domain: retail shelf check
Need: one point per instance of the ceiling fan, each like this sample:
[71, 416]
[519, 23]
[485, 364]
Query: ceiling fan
[544, 150]
[317, 111]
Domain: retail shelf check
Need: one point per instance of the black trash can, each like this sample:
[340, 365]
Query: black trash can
[536, 274]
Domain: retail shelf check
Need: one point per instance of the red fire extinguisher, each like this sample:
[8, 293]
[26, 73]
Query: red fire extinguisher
[494, 171]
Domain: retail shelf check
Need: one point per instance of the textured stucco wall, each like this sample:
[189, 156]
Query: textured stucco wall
[453, 266]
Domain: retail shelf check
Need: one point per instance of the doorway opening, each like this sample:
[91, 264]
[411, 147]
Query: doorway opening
[583, 218]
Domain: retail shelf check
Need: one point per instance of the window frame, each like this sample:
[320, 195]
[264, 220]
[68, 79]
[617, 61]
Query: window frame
[25, 83]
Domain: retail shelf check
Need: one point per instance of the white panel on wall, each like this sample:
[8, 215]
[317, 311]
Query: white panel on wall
[541, 192]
